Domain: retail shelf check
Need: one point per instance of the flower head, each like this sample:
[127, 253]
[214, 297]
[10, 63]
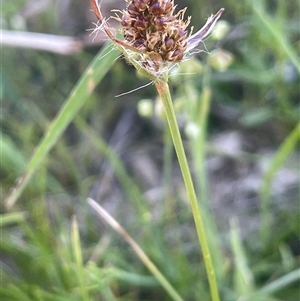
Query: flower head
[155, 35]
[153, 27]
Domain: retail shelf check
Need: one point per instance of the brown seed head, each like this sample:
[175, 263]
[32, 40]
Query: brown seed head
[152, 26]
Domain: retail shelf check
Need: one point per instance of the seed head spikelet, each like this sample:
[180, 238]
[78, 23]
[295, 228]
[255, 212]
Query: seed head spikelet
[155, 34]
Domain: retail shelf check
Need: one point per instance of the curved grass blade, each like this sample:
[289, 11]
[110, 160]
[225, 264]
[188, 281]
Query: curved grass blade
[281, 282]
[284, 150]
[129, 186]
[279, 37]
[137, 249]
[12, 218]
[85, 86]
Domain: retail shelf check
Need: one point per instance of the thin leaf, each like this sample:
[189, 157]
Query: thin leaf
[279, 38]
[284, 150]
[11, 218]
[85, 86]
[281, 282]
[78, 258]
[243, 276]
[137, 249]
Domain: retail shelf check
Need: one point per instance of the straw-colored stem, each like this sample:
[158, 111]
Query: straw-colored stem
[164, 92]
[138, 250]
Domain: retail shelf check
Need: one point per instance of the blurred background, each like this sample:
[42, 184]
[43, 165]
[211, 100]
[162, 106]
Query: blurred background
[237, 104]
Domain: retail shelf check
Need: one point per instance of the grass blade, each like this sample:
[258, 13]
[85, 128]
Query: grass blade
[129, 186]
[279, 38]
[85, 86]
[141, 254]
[78, 259]
[282, 282]
[243, 277]
[284, 150]
[11, 218]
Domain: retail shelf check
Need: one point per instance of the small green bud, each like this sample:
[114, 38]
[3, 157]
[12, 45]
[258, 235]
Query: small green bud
[145, 108]
[220, 59]
[190, 68]
[187, 69]
[192, 130]
[220, 30]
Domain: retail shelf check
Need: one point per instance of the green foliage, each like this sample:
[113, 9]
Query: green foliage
[54, 248]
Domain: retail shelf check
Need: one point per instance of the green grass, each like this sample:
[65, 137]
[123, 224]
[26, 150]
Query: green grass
[54, 247]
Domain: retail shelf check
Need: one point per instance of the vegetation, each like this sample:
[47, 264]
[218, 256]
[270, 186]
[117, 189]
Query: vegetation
[72, 140]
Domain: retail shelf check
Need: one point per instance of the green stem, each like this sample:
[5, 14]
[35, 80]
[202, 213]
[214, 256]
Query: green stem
[164, 92]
